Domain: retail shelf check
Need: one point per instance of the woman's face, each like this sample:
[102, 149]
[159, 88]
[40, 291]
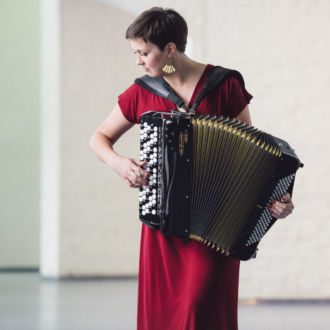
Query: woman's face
[149, 56]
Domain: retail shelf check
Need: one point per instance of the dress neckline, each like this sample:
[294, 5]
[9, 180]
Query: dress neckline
[199, 85]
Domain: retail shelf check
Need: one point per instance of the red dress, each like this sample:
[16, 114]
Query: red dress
[184, 285]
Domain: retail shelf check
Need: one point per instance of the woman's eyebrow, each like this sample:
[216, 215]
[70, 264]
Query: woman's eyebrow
[140, 50]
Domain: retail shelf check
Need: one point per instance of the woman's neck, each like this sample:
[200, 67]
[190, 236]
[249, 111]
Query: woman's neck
[186, 72]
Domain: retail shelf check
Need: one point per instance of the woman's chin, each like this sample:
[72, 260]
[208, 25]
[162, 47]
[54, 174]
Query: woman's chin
[152, 74]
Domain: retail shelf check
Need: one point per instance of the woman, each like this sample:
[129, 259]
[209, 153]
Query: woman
[182, 283]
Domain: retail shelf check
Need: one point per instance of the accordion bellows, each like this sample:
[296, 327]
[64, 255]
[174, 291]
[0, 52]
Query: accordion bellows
[212, 179]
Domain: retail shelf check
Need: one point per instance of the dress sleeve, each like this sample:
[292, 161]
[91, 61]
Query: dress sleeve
[239, 97]
[128, 103]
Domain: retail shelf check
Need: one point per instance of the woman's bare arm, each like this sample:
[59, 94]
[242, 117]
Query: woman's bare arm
[245, 116]
[102, 142]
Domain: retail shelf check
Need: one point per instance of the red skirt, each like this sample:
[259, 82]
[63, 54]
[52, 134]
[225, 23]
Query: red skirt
[184, 285]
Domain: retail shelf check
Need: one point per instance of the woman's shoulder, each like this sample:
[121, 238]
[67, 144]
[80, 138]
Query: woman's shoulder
[129, 101]
[132, 91]
[225, 74]
[229, 92]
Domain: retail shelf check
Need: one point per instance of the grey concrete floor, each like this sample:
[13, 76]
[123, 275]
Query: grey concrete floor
[31, 303]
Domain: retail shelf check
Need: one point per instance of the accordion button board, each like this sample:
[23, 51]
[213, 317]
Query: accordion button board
[149, 196]
[212, 179]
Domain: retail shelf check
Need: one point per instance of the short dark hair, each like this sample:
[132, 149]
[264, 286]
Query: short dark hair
[160, 26]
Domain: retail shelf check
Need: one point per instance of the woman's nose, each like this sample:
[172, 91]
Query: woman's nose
[139, 61]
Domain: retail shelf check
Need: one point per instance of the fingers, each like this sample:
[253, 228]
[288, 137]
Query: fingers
[130, 184]
[136, 179]
[138, 169]
[282, 209]
[285, 198]
[137, 176]
[140, 163]
[280, 214]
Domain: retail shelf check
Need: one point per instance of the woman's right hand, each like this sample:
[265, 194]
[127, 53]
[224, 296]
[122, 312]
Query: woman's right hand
[131, 171]
[102, 142]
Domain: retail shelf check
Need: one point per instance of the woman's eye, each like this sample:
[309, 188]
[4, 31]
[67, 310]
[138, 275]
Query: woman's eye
[144, 54]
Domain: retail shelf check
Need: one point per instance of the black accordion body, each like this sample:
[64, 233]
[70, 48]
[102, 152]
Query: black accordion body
[212, 179]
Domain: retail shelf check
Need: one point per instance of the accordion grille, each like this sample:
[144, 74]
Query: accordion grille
[232, 164]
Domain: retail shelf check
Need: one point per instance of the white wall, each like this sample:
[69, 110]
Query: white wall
[89, 224]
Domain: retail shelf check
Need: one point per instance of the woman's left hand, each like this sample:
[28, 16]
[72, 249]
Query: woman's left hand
[281, 209]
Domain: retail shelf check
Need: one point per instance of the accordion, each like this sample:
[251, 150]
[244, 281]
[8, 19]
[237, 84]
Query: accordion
[212, 179]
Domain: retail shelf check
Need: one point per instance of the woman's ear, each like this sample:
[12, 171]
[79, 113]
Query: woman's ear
[170, 49]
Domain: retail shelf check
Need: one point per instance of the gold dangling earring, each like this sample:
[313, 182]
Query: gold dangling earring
[168, 68]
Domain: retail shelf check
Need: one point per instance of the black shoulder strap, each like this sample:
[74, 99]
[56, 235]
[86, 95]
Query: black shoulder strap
[160, 87]
[216, 76]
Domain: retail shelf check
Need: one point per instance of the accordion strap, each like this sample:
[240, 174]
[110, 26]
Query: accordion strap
[158, 86]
